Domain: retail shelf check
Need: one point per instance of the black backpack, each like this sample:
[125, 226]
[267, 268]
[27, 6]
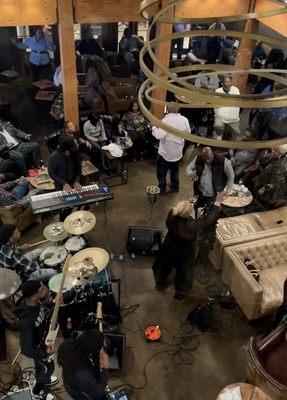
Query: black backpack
[201, 316]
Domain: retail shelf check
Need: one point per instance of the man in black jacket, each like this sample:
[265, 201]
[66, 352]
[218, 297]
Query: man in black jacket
[31, 313]
[211, 174]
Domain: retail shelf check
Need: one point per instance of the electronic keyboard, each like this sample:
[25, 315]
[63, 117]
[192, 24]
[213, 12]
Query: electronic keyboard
[55, 200]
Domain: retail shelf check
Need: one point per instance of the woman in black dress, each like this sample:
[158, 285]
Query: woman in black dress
[179, 249]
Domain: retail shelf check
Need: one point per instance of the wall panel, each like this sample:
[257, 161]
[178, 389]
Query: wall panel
[89, 11]
[28, 12]
[210, 8]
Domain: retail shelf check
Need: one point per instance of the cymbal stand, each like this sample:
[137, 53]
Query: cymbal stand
[91, 317]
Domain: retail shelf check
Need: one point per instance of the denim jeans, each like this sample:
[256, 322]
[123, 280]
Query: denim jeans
[19, 191]
[163, 167]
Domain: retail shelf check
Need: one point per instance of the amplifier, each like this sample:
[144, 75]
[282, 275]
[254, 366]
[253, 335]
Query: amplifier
[144, 240]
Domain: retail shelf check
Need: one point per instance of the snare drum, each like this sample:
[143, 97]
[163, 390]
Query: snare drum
[55, 283]
[75, 244]
[58, 257]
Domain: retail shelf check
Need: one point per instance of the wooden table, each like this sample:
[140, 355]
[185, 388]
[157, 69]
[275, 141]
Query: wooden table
[248, 392]
[45, 186]
[236, 201]
[122, 169]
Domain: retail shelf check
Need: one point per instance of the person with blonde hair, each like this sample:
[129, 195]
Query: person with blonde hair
[179, 249]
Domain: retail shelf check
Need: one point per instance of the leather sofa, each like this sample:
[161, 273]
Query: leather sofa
[269, 257]
[266, 363]
[245, 228]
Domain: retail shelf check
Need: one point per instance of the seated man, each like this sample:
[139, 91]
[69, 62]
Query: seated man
[242, 159]
[270, 186]
[94, 131]
[70, 131]
[26, 265]
[17, 144]
[16, 192]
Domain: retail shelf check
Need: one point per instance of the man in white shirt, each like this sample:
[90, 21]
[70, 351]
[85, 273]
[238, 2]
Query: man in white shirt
[227, 121]
[170, 148]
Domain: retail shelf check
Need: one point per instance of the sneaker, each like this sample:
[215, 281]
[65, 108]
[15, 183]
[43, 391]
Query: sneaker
[43, 396]
[50, 396]
[38, 396]
[54, 381]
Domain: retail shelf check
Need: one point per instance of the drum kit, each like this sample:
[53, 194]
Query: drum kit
[87, 274]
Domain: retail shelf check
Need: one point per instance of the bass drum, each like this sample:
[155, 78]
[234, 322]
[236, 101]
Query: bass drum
[102, 283]
[75, 244]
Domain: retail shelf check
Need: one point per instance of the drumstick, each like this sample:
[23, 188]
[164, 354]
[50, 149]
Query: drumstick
[16, 357]
[38, 243]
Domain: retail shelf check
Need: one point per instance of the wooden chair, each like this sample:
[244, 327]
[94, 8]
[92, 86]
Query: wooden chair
[266, 363]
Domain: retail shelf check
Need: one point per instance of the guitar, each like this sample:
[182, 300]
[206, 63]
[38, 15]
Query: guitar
[54, 326]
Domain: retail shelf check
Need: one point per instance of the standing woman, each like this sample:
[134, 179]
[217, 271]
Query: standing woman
[83, 362]
[39, 57]
[136, 126]
[179, 249]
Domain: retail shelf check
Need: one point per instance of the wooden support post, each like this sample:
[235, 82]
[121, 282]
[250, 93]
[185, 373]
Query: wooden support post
[245, 50]
[162, 52]
[68, 60]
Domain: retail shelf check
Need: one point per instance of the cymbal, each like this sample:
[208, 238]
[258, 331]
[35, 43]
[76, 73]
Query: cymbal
[9, 283]
[79, 222]
[55, 232]
[87, 263]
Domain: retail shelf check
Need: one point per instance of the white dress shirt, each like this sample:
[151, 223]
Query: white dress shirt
[8, 137]
[227, 114]
[171, 146]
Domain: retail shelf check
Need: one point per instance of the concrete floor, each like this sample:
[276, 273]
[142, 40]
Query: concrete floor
[217, 359]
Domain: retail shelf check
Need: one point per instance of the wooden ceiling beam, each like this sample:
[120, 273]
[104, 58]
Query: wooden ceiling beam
[28, 12]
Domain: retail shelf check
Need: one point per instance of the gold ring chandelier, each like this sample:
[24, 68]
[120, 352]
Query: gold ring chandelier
[190, 96]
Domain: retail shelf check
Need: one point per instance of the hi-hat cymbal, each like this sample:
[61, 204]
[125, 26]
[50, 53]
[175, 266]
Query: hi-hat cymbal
[9, 283]
[90, 261]
[79, 222]
[55, 232]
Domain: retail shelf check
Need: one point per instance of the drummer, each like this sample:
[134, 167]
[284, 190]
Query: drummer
[26, 265]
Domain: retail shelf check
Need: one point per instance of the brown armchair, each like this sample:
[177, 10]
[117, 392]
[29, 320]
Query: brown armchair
[19, 215]
[266, 363]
